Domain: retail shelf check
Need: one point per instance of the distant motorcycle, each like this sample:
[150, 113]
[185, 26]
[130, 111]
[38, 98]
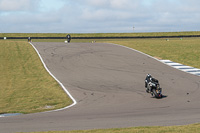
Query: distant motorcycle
[68, 38]
[152, 86]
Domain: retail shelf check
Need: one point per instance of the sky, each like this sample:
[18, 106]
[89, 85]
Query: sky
[99, 16]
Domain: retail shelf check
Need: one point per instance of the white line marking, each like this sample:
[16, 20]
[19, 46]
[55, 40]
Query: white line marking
[188, 69]
[66, 91]
[194, 70]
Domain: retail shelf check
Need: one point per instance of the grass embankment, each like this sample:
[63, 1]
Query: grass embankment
[25, 86]
[194, 128]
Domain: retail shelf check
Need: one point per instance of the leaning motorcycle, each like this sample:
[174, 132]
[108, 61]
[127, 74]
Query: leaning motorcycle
[152, 86]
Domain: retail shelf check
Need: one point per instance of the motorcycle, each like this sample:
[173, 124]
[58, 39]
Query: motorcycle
[152, 86]
[68, 38]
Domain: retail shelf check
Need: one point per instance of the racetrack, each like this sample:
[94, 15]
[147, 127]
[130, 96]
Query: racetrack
[107, 82]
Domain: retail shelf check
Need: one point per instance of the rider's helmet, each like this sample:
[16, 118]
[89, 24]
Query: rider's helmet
[149, 75]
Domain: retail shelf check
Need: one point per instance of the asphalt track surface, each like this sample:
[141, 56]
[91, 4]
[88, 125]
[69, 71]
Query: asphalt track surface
[107, 82]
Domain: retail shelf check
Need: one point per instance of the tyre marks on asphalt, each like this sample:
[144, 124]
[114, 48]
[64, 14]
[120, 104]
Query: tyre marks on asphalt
[182, 67]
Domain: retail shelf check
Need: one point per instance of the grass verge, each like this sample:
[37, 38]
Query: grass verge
[98, 34]
[26, 87]
[194, 128]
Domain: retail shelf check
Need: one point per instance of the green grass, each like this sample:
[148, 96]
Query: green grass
[98, 34]
[194, 128]
[26, 87]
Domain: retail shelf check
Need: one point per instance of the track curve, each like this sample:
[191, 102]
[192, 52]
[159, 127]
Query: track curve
[107, 82]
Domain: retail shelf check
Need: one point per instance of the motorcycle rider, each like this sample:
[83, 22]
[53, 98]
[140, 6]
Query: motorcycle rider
[68, 38]
[152, 86]
[147, 81]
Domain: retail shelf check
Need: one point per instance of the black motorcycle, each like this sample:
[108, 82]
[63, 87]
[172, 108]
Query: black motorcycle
[152, 86]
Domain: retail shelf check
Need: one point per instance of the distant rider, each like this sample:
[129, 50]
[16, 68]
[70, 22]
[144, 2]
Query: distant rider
[68, 38]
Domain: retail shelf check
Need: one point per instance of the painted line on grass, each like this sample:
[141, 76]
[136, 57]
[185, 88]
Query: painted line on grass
[66, 91]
